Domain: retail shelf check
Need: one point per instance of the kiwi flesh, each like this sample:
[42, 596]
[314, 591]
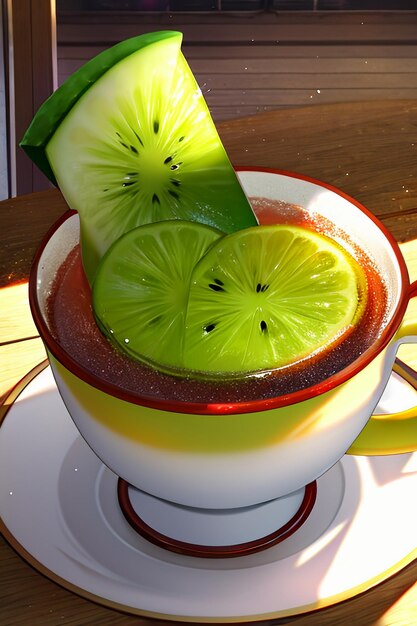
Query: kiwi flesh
[140, 291]
[188, 301]
[134, 144]
[268, 297]
[54, 110]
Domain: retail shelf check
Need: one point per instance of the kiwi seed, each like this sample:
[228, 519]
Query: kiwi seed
[216, 287]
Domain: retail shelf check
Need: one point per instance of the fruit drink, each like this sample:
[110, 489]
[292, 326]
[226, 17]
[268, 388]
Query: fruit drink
[73, 324]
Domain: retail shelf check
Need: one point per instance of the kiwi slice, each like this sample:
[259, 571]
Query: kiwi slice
[267, 297]
[129, 140]
[140, 291]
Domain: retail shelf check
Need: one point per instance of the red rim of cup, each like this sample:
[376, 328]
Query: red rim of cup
[228, 407]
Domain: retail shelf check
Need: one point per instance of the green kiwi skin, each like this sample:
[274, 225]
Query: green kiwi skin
[52, 112]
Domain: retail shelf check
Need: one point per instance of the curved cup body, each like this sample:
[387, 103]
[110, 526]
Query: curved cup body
[202, 461]
[222, 459]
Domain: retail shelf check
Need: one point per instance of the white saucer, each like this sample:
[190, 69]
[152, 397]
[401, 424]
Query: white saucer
[59, 510]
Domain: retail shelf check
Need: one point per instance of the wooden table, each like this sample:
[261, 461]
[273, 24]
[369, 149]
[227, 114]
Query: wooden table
[367, 149]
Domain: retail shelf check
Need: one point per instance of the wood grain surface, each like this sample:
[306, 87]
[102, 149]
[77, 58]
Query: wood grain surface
[252, 61]
[369, 150]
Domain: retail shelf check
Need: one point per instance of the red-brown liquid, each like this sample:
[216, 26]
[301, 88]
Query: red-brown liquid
[72, 323]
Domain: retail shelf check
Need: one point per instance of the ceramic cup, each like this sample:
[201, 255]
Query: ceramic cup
[234, 455]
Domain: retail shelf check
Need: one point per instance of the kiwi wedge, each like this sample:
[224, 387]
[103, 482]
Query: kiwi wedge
[129, 140]
[270, 296]
[141, 288]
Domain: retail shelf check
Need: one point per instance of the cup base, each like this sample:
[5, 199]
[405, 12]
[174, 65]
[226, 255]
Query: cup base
[215, 533]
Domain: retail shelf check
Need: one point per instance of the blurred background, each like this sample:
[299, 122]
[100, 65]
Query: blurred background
[248, 55]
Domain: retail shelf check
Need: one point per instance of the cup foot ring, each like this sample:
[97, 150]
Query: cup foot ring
[173, 544]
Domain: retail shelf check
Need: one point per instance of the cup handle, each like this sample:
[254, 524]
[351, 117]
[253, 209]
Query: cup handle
[393, 433]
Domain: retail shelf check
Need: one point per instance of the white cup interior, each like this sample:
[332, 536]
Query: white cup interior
[53, 256]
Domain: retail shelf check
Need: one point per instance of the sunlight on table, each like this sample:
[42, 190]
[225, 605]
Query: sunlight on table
[20, 346]
[404, 610]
